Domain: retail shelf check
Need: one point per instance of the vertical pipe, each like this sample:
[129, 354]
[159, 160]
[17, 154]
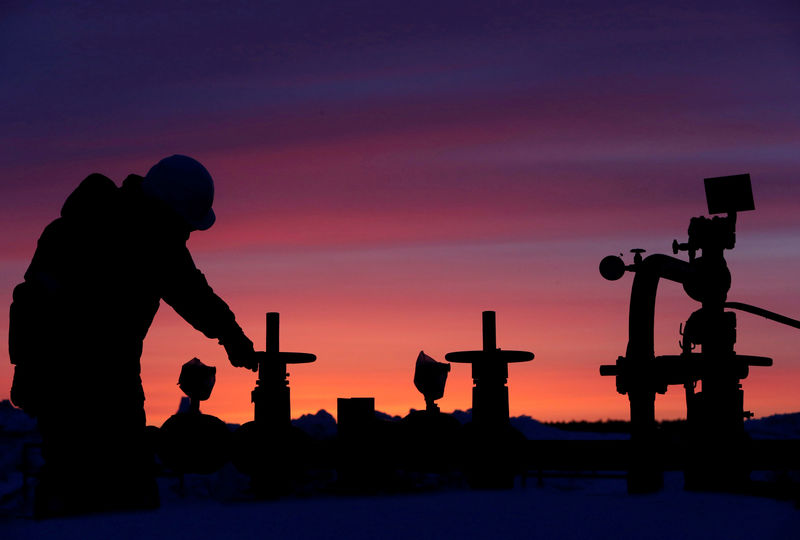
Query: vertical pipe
[489, 331]
[273, 332]
[645, 475]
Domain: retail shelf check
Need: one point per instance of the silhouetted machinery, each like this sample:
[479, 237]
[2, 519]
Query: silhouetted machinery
[430, 437]
[367, 453]
[717, 445]
[492, 444]
[430, 377]
[378, 454]
[189, 441]
[269, 448]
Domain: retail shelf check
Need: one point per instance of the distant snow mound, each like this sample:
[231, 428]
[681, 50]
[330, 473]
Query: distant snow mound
[462, 416]
[185, 405]
[380, 415]
[13, 420]
[535, 430]
[778, 426]
[321, 425]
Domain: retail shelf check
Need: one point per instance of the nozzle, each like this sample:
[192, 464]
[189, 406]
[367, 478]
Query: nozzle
[612, 267]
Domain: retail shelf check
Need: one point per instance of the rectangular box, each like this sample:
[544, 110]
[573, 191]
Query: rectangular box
[355, 415]
[726, 194]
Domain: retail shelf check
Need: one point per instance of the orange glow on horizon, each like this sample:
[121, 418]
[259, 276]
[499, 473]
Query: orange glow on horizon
[380, 182]
[367, 347]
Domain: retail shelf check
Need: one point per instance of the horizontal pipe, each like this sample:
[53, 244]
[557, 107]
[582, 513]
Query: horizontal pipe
[761, 312]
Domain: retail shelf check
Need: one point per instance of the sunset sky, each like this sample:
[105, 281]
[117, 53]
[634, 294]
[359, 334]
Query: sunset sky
[385, 171]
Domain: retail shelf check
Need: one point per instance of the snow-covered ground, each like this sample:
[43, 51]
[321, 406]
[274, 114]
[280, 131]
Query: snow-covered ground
[561, 508]
[778, 426]
[216, 506]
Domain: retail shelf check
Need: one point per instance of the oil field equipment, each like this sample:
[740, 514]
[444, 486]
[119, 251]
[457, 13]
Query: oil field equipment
[430, 437]
[189, 441]
[492, 446]
[269, 448]
[717, 446]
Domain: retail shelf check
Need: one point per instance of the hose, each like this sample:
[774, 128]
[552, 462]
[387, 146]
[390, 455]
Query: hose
[771, 315]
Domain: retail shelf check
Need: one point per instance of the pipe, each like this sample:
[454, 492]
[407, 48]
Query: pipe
[641, 318]
[643, 475]
[761, 312]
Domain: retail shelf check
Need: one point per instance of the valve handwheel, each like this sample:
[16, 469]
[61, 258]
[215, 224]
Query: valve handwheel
[271, 395]
[273, 353]
[490, 351]
[489, 374]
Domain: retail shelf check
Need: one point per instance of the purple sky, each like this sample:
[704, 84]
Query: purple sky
[436, 157]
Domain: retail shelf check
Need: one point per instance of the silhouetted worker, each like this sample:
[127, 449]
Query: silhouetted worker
[79, 319]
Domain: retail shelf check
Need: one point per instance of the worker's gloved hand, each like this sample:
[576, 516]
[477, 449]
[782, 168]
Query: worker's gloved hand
[240, 351]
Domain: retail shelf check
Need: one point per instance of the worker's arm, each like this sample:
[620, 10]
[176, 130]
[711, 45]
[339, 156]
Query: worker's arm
[185, 289]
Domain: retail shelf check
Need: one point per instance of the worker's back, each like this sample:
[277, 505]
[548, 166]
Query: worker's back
[91, 292]
[78, 322]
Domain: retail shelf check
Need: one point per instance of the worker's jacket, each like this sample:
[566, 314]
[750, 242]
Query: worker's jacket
[92, 290]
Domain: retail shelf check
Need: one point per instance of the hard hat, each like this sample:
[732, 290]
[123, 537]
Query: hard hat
[186, 187]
